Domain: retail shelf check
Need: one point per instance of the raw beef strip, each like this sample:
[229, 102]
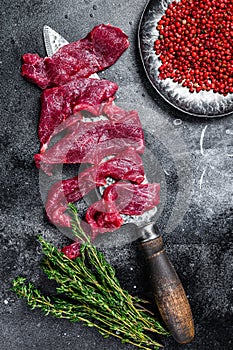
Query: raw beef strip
[107, 109]
[121, 198]
[98, 50]
[133, 199]
[58, 103]
[115, 113]
[91, 142]
[103, 217]
[72, 251]
[126, 166]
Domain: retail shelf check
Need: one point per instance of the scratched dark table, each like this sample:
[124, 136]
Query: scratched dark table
[197, 209]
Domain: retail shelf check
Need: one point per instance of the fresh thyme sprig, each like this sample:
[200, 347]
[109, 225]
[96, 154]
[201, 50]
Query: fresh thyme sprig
[91, 293]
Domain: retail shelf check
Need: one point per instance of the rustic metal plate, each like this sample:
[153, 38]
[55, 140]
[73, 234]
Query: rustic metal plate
[202, 104]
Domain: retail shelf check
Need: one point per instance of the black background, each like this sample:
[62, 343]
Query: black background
[200, 245]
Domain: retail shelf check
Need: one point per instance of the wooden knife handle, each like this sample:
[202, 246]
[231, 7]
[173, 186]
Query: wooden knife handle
[168, 292]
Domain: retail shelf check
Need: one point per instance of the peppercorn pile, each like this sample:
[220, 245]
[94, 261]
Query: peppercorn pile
[195, 45]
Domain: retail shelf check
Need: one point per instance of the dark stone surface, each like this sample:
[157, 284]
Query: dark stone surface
[197, 219]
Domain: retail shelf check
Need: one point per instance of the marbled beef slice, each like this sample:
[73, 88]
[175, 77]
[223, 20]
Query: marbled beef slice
[58, 103]
[98, 50]
[125, 166]
[91, 142]
[121, 198]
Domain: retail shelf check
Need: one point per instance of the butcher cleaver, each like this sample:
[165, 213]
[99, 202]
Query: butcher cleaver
[167, 289]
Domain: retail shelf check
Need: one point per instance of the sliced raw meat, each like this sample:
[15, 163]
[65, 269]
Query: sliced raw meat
[103, 217]
[72, 251]
[97, 51]
[34, 69]
[115, 113]
[121, 198]
[126, 166]
[58, 103]
[132, 199]
[91, 142]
